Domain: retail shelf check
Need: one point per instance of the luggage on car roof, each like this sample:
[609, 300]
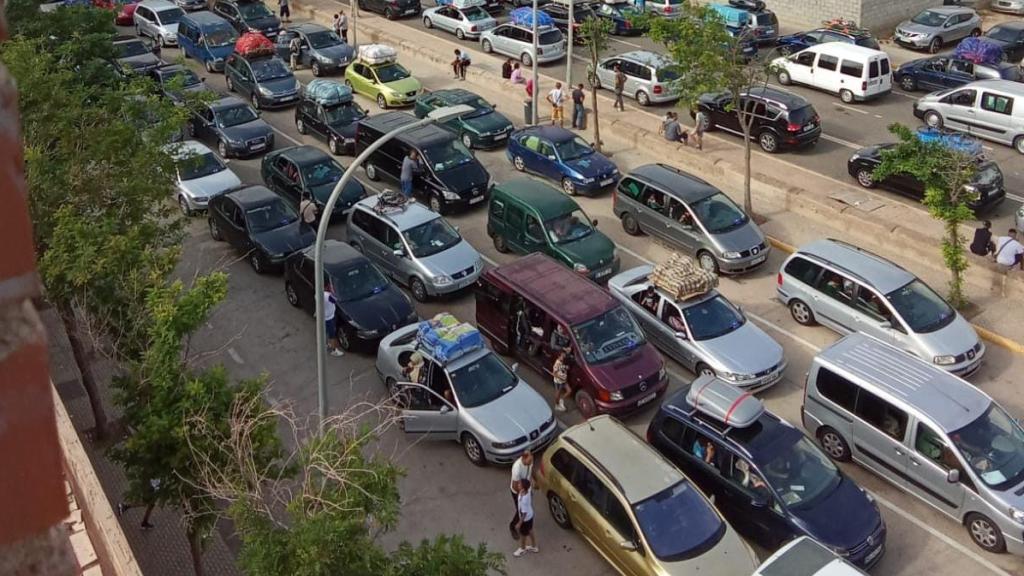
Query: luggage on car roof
[254, 44]
[724, 402]
[328, 92]
[446, 339]
[377, 53]
[682, 278]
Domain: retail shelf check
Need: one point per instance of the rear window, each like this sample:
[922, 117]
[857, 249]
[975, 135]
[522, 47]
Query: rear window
[885, 66]
[550, 37]
[803, 270]
[851, 68]
[827, 62]
[766, 19]
[802, 115]
[873, 69]
[836, 388]
[867, 42]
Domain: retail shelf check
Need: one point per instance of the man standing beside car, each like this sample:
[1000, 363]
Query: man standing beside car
[307, 209]
[411, 166]
[522, 469]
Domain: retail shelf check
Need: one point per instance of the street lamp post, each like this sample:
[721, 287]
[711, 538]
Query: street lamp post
[568, 59]
[536, 88]
[438, 115]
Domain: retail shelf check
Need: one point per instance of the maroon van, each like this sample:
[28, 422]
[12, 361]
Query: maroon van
[535, 306]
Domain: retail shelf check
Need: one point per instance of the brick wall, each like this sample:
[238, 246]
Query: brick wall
[811, 13]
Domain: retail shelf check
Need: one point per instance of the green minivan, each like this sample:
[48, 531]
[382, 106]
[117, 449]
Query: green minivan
[529, 216]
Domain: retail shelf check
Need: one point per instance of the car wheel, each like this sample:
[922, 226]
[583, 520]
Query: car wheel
[486, 45]
[630, 225]
[332, 145]
[768, 142]
[467, 141]
[707, 262]
[382, 102]
[642, 99]
[291, 294]
[315, 69]
[985, 533]
[190, 129]
[784, 78]
[834, 444]
[865, 178]
[932, 119]
[585, 404]
[300, 126]
[427, 23]
[935, 45]
[559, 513]
[1018, 144]
[460, 34]
[183, 204]
[343, 339]
[500, 244]
[568, 187]
[214, 230]
[389, 14]
[210, 68]
[519, 163]
[222, 148]
[436, 204]
[801, 312]
[418, 289]
[703, 370]
[255, 101]
[371, 172]
[256, 261]
[526, 59]
[473, 450]
[976, 32]
[846, 96]
[908, 83]
[230, 83]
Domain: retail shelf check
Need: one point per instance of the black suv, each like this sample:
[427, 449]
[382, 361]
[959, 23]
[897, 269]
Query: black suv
[782, 120]
[335, 124]
[248, 16]
[392, 9]
[295, 171]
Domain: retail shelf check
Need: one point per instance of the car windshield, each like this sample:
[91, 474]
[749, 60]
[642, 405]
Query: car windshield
[131, 49]
[867, 42]
[199, 165]
[929, 18]
[718, 213]
[326, 171]
[270, 216]
[324, 39]
[801, 474]
[550, 37]
[668, 74]
[920, 307]
[358, 282]
[712, 318]
[235, 115]
[568, 227]
[391, 73]
[1004, 33]
[188, 77]
[344, 115]
[572, 149]
[170, 16]
[482, 382]
[993, 445]
[475, 14]
[446, 156]
[608, 336]
[988, 174]
[678, 523]
[270, 69]
[220, 37]
[254, 10]
[431, 237]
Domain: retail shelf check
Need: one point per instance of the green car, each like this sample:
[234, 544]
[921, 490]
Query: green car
[528, 216]
[390, 84]
[484, 128]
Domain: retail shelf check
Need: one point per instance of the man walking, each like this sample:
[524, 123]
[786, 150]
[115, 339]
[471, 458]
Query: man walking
[701, 121]
[286, 12]
[330, 307]
[308, 210]
[578, 111]
[154, 487]
[1009, 252]
[294, 49]
[411, 166]
[522, 469]
[524, 506]
[620, 85]
[557, 100]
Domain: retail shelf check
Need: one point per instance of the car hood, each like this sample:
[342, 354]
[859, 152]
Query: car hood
[955, 338]
[518, 412]
[247, 131]
[908, 26]
[745, 350]
[595, 164]
[730, 556]
[410, 84]
[589, 250]
[281, 85]
[743, 238]
[212, 185]
[455, 259]
[352, 193]
[464, 178]
[338, 53]
[146, 60]
[859, 516]
[491, 122]
[347, 131]
[641, 364]
[286, 239]
[384, 311]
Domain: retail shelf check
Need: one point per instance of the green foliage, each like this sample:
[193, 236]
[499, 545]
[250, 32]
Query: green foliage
[595, 32]
[443, 556]
[946, 174]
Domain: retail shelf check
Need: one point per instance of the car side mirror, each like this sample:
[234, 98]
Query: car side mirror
[682, 336]
[399, 252]
[202, 79]
[552, 158]
[953, 476]
[445, 409]
[515, 367]
[628, 545]
[886, 324]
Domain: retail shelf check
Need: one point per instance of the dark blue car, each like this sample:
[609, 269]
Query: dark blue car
[770, 481]
[942, 72]
[794, 43]
[621, 18]
[562, 156]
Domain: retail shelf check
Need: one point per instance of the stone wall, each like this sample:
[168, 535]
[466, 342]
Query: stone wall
[882, 16]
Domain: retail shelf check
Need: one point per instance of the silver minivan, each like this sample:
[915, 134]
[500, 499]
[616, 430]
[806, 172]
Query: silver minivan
[984, 109]
[849, 289]
[158, 19]
[517, 41]
[650, 77]
[689, 215]
[415, 246]
[924, 430]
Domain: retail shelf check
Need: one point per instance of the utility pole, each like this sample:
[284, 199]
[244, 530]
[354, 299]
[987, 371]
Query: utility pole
[568, 54]
[354, 9]
[536, 88]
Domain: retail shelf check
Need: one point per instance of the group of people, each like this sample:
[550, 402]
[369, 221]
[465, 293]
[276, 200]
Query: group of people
[673, 131]
[1004, 250]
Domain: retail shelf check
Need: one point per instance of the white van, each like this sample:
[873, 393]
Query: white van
[854, 72]
[984, 108]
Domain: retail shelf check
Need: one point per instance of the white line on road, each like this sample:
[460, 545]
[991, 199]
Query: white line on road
[286, 135]
[234, 356]
[1015, 197]
[905, 94]
[842, 142]
[627, 43]
[851, 108]
[879, 116]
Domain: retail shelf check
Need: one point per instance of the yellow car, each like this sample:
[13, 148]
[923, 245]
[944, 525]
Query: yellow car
[638, 510]
[389, 83]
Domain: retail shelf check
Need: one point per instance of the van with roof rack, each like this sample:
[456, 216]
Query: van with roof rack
[924, 430]
[770, 481]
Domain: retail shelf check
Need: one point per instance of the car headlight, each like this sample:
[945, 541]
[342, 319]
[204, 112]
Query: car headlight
[730, 254]
[218, 60]
[448, 195]
[662, 373]
[970, 188]
[838, 551]
[945, 360]
[1017, 515]
[615, 396]
[200, 199]
[582, 269]
[733, 376]
[361, 330]
[510, 444]
[266, 91]
[442, 280]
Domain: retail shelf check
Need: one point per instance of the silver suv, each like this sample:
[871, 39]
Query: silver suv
[936, 27]
[649, 76]
[850, 290]
[158, 19]
[415, 246]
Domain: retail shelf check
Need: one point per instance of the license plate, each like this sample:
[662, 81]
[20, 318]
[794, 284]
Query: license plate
[501, 136]
[758, 260]
[410, 11]
[603, 273]
[476, 200]
[646, 399]
[258, 146]
[809, 127]
[873, 555]
[772, 379]
[607, 181]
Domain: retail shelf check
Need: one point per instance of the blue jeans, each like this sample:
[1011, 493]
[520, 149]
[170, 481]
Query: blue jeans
[407, 188]
[578, 115]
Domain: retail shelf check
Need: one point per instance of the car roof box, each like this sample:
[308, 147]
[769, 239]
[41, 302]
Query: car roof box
[328, 92]
[377, 53]
[724, 402]
[682, 278]
[446, 339]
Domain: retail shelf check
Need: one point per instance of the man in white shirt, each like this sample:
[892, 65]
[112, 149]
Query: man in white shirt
[332, 328]
[557, 100]
[524, 507]
[522, 469]
[1010, 252]
[307, 209]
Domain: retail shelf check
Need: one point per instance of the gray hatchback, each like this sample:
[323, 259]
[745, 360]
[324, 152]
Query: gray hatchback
[690, 215]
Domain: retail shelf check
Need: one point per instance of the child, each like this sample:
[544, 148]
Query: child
[560, 374]
[525, 524]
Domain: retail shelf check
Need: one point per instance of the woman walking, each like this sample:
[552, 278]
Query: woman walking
[525, 524]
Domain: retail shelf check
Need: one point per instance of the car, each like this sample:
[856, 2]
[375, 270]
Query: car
[389, 83]
[1019, 219]
[988, 181]
[982, 109]
[201, 175]
[158, 19]
[154, 126]
[805, 557]
[135, 56]
[782, 120]
[485, 127]
[299, 170]
[944, 72]
[855, 73]
[237, 129]
[126, 14]
[248, 16]
[934, 28]
[560, 155]
[367, 306]
[415, 246]
[265, 80]
[466, 22]
[621, 17]
[473, 398]
[177, 83]
[658, 8]
[559, 13]
[793, 43]
[208, 38]
[333, 122]
[640, 512]
[516, 41]
[769, 480]
[650, 77]
[391, 9]
[706, 333]
[321, 50]
[762, 22]
[191, 5]
[1008, 6]
[1010, 37]
[259, 224]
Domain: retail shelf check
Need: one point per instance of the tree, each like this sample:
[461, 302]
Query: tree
[947, 173]
[710, 59]
[595, 32]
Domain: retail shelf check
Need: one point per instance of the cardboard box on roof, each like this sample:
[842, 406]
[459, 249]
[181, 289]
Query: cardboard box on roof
[681, 278]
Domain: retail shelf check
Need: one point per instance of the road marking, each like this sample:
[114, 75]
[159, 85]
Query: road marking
[488, 259]
[234, 356]
[879, 116]
[769, 324]
[851, 108]
[842, 142]
[905, 94]
[627, 43]
[285, 134]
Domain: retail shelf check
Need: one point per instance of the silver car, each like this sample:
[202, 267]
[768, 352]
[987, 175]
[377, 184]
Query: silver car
[936, 27]
[707, 333]
[850, 290]
[1008, 6]
[415, 246]
[517, 41]
[474, 399]
[650, 77]
[467, 22]
[201, 176]
[1019, 218]
[320, 49]
[158, 19]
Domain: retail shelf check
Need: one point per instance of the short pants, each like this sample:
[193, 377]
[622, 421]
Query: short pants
[557, 113]
[526, 528]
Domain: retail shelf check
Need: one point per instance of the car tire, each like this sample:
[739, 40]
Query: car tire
[467, 140]
[768, 142]
[526, 59]
[436, 204]
[519, 164]
[846, 96]
[300, 126]
[427, 23]
[332, 145]
[1018, 144]
[316, 70]
[348, 83]
[256, 261]
[500, 244]
[708, 262]
[389, 13]
[642, 98]
[833, 444]
[486, 46]
[935, 46]
[190, 129]
[703, 369]
[214, 230]
[460, 34]
[559, 513]
[785, 50]
[222, 149]
[630, 225]
[933, 119]
[183, 204]
[474, 451]
[865, 178]
[382, 102]
[255, 101]
[291, 294]
[229, 82]
[568, 187]
[343, 339]
[784, 78]
[801, 313]
[985, 533]
[418, 289]
[210, 68]
[585, 404]
[908, 83]
[371, 172]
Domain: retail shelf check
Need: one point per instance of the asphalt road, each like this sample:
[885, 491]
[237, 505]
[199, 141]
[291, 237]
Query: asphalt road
[256, 331]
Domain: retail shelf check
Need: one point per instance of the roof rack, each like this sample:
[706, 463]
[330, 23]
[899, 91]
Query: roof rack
[682, 279]
[391, 202]
[446, 339]
[846, 27]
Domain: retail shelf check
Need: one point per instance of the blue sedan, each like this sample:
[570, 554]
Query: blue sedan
[561, 155]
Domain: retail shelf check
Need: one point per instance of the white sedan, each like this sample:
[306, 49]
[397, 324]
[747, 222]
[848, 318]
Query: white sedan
[467, 22]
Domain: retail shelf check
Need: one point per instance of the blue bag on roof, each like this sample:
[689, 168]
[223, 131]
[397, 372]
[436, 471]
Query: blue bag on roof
[328, 92]
[955, 141]
[446, 339]
[524, 17]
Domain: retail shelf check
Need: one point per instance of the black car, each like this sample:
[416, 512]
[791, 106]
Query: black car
[988, 179]
[943, 72]
[265, 80]
[392, 9]
[1010, 37]
[336, 124]
[248, 16]
[369, 306]
[237, 129]
[259, 224]
[294, 171]
[559, 12]
[782, 120]
[176, 81]
[793, 43]
[136, 56]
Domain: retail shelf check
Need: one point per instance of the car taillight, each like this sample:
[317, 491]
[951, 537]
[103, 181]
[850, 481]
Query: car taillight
[791, 127]
[864, 85]
[778, 279]
[604, 395]
[657, 88]
[668, 9]
[627, 24]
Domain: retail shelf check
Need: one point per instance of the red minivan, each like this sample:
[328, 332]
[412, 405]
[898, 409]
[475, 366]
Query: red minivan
[535, 306]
